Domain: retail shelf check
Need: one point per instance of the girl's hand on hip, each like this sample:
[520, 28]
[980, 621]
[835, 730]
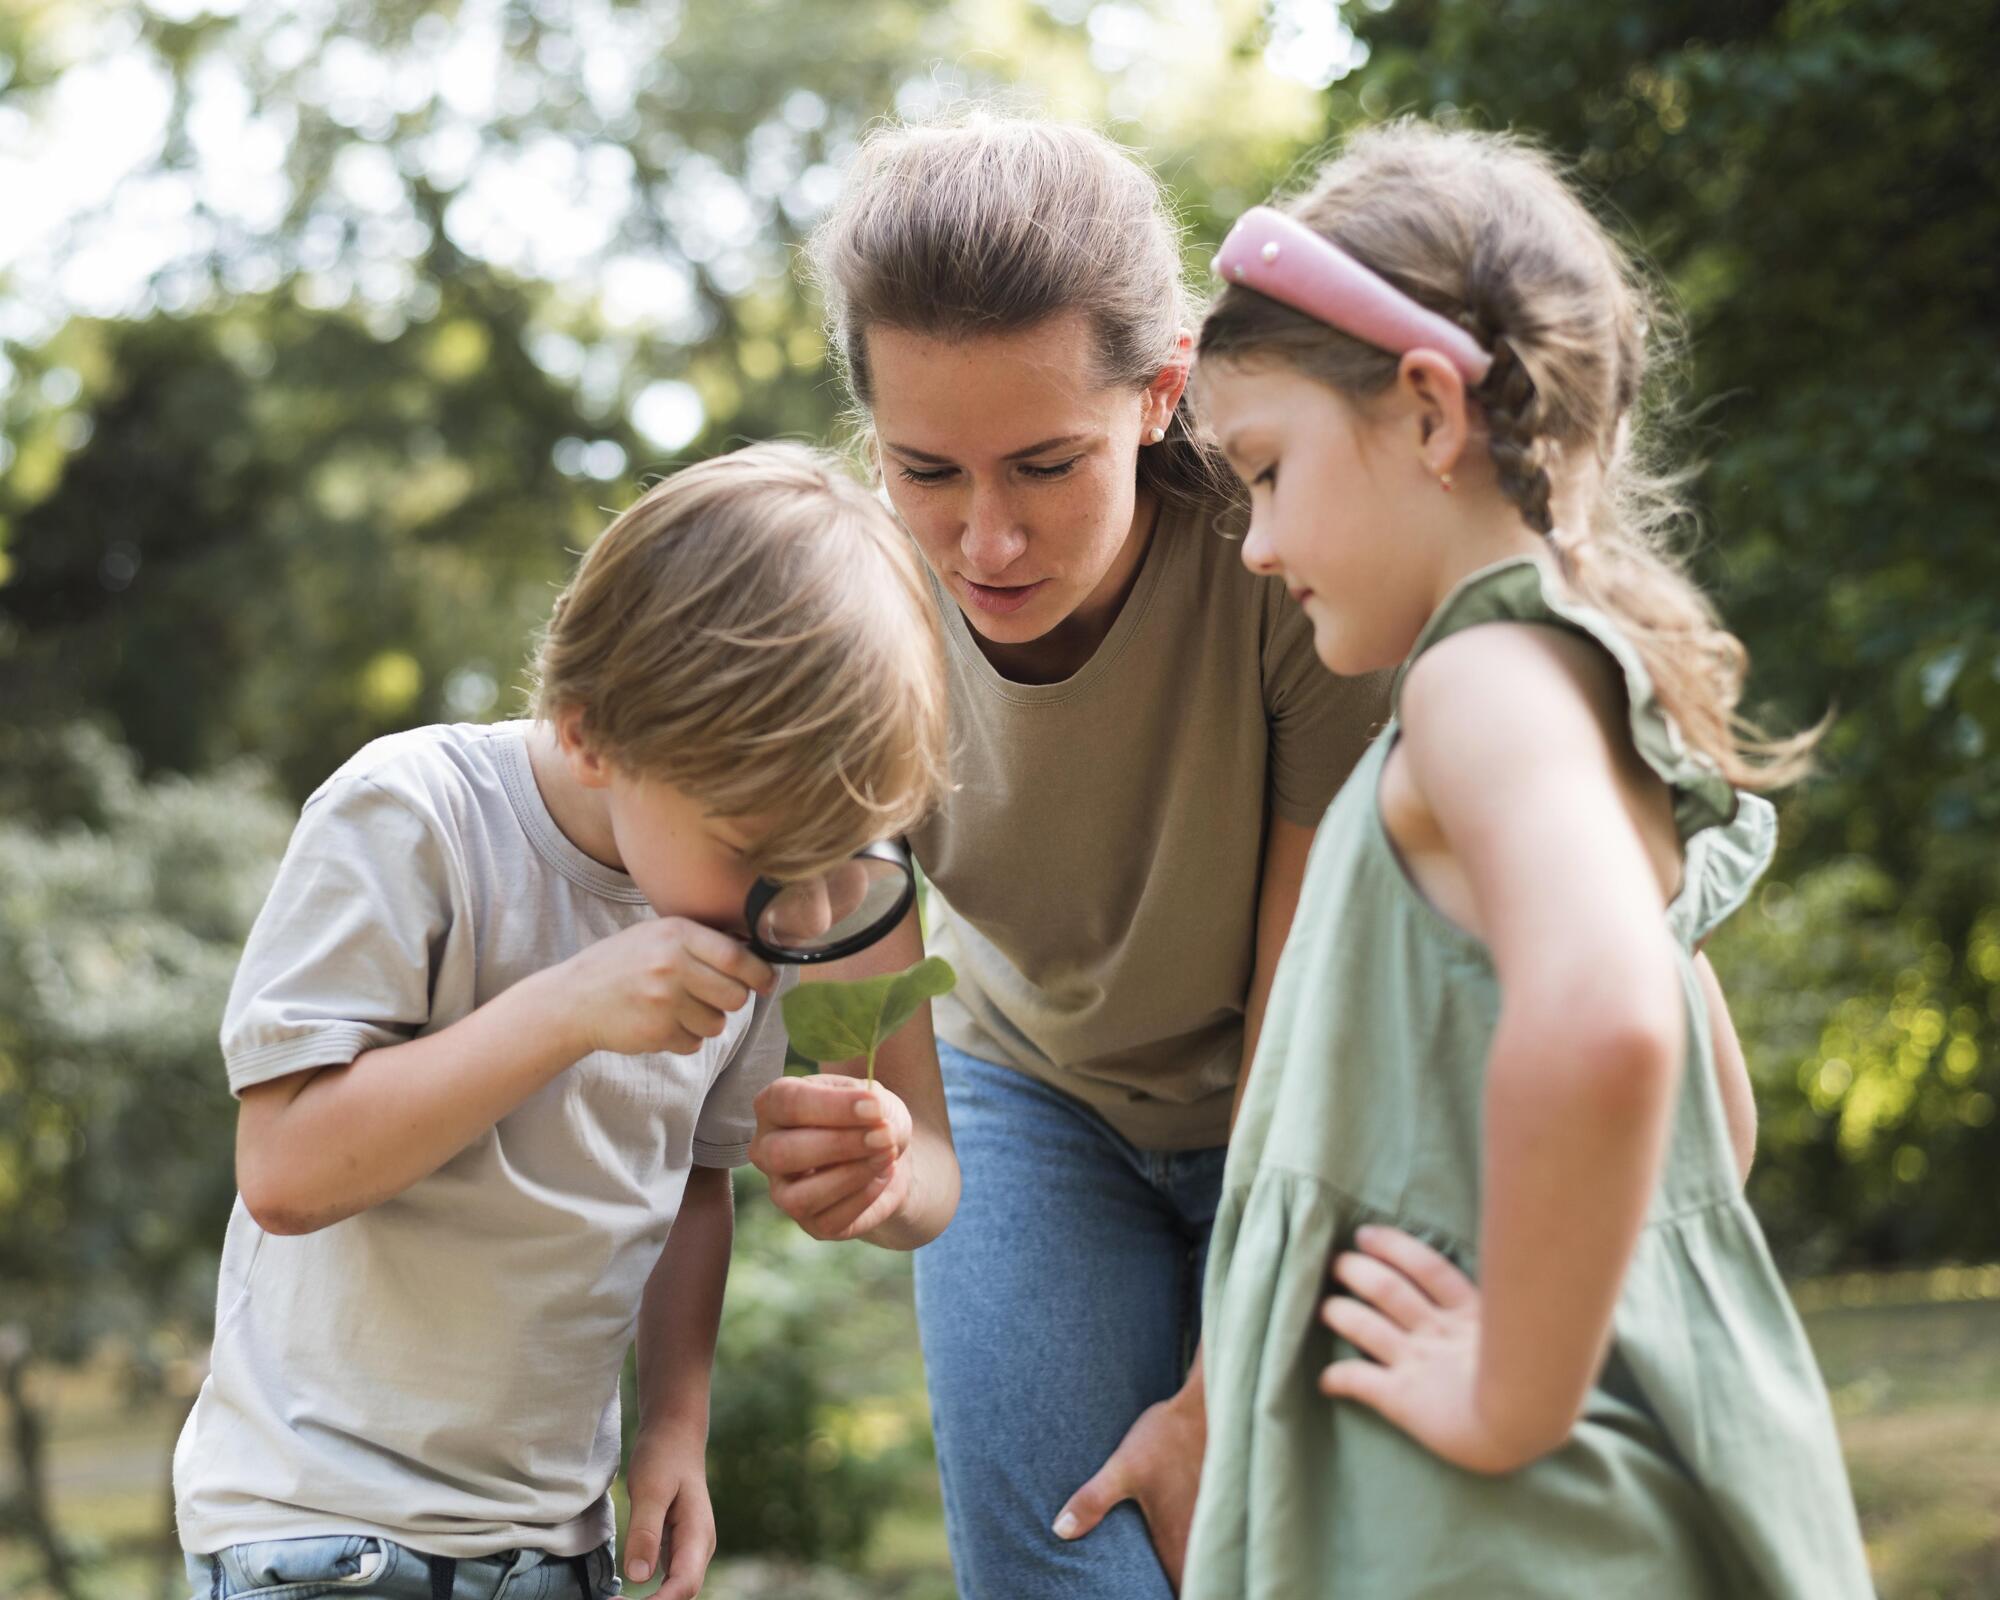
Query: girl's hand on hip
[1158, 1464]
[673, 1523]
[1415, 1319]
[837, 1152]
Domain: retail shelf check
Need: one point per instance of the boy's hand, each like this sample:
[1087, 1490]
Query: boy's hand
[1415, 1317]
[836, 1150]
[664, 985]
[672, 1521]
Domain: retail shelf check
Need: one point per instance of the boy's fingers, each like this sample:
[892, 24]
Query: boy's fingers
[642, 1538]
[813, 1193]
[699, 1018]
[729, 956]
[873, 1206]
[799, 1150]
[829, 1100]
[689, 1550]
[714, 988]
[1422, 1265]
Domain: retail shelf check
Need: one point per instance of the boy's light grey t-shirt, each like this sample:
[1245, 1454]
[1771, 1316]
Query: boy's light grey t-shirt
[442, 1369]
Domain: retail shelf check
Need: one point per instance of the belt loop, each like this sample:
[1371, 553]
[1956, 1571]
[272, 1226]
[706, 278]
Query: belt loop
[585, 1584]
[215, 1576]
[444, 1574]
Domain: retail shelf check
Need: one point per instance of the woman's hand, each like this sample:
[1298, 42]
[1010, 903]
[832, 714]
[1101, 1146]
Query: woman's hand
[673, 1523]
[1158, 1464]
[837, 1152]
[1415, 1317]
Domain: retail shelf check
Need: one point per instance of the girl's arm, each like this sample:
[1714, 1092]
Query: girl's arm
[673, 1524]
[1512, 738]
[1732, 1072]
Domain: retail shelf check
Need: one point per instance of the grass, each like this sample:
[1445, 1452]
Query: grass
[1912, 1362]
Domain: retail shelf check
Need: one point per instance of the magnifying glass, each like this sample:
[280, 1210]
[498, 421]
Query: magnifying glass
[835, 914]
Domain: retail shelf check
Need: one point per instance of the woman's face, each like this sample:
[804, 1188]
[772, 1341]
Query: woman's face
[1014, 469]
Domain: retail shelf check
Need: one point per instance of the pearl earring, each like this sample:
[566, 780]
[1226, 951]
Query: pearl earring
[1156, 435]
[1444, 482]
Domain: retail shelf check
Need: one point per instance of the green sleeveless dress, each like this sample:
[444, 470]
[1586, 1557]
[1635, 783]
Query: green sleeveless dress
[1705, 1466]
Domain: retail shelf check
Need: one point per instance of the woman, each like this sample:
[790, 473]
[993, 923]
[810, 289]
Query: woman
[1127, 702]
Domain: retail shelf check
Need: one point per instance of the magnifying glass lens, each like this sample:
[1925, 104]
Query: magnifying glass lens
[857, 899]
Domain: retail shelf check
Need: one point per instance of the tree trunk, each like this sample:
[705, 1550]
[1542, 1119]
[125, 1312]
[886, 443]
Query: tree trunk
[28, 1434]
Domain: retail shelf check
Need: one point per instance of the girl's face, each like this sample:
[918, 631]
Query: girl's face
[1340, 505]
[1015, 470]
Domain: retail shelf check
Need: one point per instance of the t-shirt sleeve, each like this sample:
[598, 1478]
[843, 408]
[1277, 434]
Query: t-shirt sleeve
[339, 959]
[722, 1131]
[1321, 723]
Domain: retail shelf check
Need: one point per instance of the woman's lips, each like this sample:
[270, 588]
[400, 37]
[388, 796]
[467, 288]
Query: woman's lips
[1001, 599]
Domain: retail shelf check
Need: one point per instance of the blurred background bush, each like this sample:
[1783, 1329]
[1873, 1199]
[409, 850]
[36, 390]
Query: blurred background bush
[330, 331]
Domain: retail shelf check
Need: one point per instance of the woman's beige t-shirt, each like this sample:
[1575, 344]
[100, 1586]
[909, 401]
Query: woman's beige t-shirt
[1097, 865]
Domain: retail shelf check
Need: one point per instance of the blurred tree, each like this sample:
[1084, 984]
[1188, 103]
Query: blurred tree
[442, 283]
[119, 929]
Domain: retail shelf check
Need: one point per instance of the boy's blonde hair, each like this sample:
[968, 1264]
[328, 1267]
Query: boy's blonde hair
[1483, 229]
[757, 631]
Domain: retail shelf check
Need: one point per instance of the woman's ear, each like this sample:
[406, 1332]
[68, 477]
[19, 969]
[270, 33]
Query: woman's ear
[1435, 394]
[1169, 383]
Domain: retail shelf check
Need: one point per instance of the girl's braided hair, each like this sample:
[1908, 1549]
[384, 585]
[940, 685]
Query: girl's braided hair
[1483, 229]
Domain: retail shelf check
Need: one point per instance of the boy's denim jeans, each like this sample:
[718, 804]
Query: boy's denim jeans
[354, 1565]
[1063, 1300]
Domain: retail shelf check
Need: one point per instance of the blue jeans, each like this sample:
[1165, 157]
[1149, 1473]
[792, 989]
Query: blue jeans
[1062, 1301]
[354, 1565]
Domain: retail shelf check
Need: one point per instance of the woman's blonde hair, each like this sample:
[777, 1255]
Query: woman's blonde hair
[992, 224]
[757, 631]
[1482, 228]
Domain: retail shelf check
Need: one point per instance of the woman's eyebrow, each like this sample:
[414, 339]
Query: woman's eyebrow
[1061, 441]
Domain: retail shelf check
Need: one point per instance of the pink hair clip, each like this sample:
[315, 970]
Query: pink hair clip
[1286, 261]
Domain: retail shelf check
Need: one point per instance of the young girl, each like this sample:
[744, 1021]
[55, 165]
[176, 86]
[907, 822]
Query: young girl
[1561, 1362]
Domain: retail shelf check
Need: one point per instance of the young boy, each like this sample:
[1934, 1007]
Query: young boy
[495, 1042]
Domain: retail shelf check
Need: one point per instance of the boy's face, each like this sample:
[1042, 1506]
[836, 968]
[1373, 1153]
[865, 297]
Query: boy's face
[687, 861]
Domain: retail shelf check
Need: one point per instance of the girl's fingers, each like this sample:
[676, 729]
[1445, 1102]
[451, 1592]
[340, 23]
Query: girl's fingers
[1418, 1262]
[1356, 1380]
[1362, 1326]
[1384, 1288]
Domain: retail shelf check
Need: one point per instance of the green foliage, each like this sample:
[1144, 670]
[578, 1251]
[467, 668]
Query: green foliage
[832, 1021]
[117, 941]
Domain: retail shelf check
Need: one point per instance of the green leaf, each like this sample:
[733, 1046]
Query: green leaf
[833, 1021]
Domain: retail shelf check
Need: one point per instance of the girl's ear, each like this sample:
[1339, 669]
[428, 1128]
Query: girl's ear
[1436, 396]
